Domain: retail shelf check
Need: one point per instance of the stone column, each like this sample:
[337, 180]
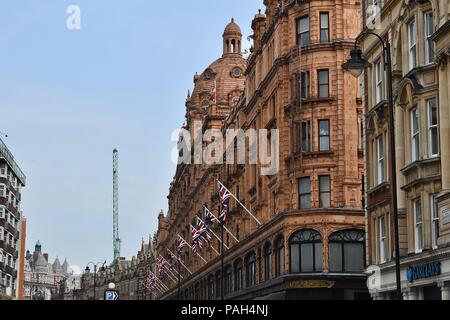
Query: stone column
[444, 124]
[400, 154]
[413, 294]
[406, 295]
[445, 289]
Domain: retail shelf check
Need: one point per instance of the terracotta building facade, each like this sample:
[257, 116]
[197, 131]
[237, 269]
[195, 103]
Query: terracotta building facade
[311, 241]
[418, 34]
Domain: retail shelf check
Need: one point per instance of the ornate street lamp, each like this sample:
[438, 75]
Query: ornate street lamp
[102, 269]
[356, 66]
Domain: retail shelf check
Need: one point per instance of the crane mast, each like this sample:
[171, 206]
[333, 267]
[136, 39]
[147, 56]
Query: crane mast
[116, 238]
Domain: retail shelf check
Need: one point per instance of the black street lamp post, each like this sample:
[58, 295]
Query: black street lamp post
[102, 268]
[356, 66]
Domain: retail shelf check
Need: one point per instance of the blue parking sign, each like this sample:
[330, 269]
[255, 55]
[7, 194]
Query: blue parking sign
[111, 295]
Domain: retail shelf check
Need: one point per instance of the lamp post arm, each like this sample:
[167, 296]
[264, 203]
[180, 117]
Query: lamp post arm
[363, 34]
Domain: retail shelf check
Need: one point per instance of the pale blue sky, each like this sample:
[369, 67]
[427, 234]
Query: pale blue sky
[68, 98]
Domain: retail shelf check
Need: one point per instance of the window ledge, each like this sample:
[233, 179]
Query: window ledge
[419, 163]
[379, 187]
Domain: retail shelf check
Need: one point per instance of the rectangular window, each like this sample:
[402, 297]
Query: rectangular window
[324, 27]
[305, 192]
[305, 85]
[381, 167]
[415, 135]
[325, 191]
[2, 190]
[3, 170]
[412, 30]
[378, 81]
[434, 221]
[382, 231]
[324, 135]
[430, 51]
[324, 88]
[433, 128]
[2, 212]
[418, 224]
[303, 31]
[306, 136]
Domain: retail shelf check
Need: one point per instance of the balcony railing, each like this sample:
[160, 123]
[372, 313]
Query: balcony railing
[7, 155]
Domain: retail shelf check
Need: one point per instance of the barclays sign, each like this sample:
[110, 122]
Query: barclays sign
[425, 271]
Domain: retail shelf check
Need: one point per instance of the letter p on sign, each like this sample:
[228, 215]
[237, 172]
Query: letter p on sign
[74, 20]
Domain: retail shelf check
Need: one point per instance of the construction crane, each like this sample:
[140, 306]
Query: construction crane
[116, 238]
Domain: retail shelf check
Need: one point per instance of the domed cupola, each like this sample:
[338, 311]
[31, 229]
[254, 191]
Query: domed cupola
[232, 39]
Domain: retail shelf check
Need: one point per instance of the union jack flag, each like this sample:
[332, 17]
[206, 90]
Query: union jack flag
[150, 283]
[160, 262]
[181, 243]
[197, 243]
[210, 218]
[225, 196]
[170, 262]
[203, 231]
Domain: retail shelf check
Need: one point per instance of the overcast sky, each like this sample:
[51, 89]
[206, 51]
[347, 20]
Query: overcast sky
[69, 97]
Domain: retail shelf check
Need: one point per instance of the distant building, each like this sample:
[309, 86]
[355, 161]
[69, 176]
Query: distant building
[12, 180]
[47, 281]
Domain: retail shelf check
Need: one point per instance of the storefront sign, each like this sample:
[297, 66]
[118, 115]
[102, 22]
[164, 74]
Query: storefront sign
[446, 217]
[311, 284]
[425, 271]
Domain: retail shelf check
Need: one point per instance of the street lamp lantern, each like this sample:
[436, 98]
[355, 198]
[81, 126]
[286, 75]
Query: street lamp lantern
[356, 64]
[87, 270]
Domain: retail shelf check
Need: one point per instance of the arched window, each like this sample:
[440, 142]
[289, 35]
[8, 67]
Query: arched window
[251, 270]
[279, 256]
[347, 251]
[268, 261]
[211, 287]
[238, 275]
[228, 280]
[218, 284]
[306, 251]
[197, 291]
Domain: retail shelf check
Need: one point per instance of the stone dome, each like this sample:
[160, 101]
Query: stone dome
[232, 29]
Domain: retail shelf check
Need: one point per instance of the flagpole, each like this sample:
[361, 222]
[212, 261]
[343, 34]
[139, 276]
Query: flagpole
[167, 268]
[222, 262]
[160, 282]
[190, 272]
[226, 229]
[240, 203]
[196, 253]
[179, 275]
[215, 235]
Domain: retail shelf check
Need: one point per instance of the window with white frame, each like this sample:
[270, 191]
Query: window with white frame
[412, 40]
[2, 234]
[434, 221]
[415, 135]
[378, 81]
[433, 128]
[418, 225]
[2, 190]
[430, 50]
[3, 170]
[381, 164]
[383, 239]
[2, 212]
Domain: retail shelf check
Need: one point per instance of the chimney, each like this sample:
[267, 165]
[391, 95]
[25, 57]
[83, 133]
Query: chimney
[46, 256]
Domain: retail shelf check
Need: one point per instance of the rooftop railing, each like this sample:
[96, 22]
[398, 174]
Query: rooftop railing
[7, 155]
